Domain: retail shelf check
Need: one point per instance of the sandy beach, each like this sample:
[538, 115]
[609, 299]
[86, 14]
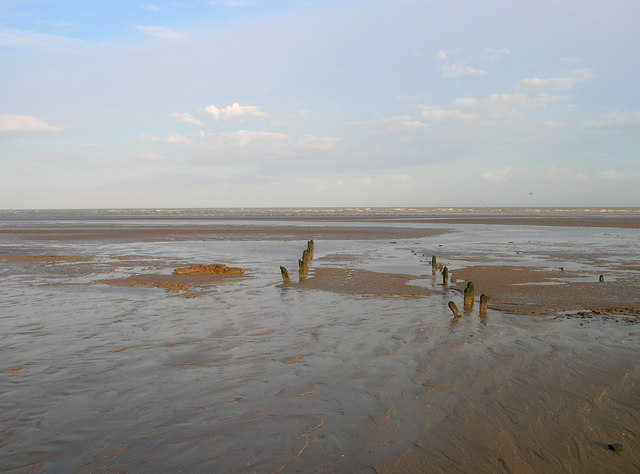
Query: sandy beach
[113, 361]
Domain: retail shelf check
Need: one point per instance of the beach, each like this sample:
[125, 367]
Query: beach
[113, 361]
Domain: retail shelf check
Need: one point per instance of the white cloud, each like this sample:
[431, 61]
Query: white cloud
[500, 175]
[389, 124]
[365, 181]
[246, 137]
[27, 123]
[617, 119]
[318, 143]
[495, 106]
[438, 114]
[232, 3]
[557, 83]
[187, 118]
[619, 176]
[564, 175]
[17, 38]
[147, 156]
[457, 70]
[499, 105]
[442, 55]
[496, 53]
[160, 32]
[173, 138]
[402, 178]
[613, 175]
[233, 111]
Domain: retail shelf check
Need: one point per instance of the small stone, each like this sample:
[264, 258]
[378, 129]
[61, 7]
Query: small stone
[615, 447]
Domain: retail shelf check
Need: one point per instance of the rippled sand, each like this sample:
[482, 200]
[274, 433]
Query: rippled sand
[360, 368]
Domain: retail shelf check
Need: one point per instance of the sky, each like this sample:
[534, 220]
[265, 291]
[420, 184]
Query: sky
[310, 103]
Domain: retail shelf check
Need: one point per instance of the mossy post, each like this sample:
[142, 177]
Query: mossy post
[601, 278]
[434, 265]
[454, 309]
[469, 295]
[310, 247]
[303, 266]
[285, 275]
[483, 304]
[303, 263]
[445, 276]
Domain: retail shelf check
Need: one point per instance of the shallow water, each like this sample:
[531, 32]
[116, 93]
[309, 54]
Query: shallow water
[254, 376]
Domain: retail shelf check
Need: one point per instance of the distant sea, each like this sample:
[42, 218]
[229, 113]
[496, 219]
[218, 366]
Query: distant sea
[307, 212]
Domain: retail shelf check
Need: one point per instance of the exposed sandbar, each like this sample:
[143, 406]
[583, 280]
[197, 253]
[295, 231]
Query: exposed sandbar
[530, 290]
[172, 283]
[363, 282]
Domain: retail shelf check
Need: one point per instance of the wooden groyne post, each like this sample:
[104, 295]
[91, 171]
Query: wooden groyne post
[483, 304]
[469, 295]
[285, 275]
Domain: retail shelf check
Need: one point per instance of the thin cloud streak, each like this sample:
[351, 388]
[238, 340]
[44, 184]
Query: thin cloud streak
[27, 123]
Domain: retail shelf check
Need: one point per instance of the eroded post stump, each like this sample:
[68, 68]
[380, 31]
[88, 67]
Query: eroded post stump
[469, 295]
[483, 304]
[285, 275]
[454, 309]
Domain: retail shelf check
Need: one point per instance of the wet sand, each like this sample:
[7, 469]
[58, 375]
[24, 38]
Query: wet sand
[214, 231]
[359, 368]
[530, 290]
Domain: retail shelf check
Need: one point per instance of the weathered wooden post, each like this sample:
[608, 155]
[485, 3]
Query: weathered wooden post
[303, 263]
[434, 265]
[469, 295]
[454, 309]
[445, 276]
[310, 247]
[285, 275]
[303, 266]
[483, 304]
[601, 278]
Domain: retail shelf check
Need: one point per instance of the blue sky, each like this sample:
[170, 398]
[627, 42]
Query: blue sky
[254, 103]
